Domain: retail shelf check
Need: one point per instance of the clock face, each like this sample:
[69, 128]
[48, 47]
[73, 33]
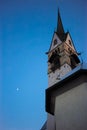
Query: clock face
[55, 42]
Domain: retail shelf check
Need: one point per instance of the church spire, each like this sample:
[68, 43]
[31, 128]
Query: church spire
[60, 29]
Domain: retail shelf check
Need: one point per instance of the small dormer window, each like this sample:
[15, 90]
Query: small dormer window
[70, 42]
[55, 42]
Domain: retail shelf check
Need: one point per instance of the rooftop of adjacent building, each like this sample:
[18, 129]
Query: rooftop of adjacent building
[76, 71]
[78, 75]
[81, 66]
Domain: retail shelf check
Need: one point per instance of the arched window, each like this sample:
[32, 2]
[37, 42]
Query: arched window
[70, 42]
[58, 50]
[74, 60]
[55, 42]
[54, 61]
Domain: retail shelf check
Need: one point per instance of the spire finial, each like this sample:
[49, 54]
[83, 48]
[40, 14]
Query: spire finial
[60, 29]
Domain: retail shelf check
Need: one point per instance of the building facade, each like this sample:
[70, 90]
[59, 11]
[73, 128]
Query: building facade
[67, 81]
[66, 101]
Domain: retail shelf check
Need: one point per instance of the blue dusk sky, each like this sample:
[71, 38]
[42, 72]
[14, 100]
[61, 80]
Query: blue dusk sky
[26, 30]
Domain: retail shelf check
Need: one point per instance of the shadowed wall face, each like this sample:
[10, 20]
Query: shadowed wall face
[71, 109]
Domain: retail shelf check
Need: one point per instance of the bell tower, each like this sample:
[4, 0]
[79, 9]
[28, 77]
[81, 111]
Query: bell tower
[62, 55]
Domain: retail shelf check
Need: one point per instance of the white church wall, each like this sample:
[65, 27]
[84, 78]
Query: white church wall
[50, 122]
[71, 109]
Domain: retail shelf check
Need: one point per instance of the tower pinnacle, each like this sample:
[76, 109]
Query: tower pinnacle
[60, 28]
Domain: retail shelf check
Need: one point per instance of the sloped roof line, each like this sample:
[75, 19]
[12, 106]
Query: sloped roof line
[44, 127]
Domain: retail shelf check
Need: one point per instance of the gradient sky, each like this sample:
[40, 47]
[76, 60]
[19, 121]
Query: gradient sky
[26, 30]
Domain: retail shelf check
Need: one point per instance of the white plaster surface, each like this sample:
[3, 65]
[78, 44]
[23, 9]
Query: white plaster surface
[56, 76]
[58, 41]
[50, 122]
[67, 41]
[71, 109]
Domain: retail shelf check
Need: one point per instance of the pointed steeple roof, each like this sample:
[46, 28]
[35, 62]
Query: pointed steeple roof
[60, 29]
